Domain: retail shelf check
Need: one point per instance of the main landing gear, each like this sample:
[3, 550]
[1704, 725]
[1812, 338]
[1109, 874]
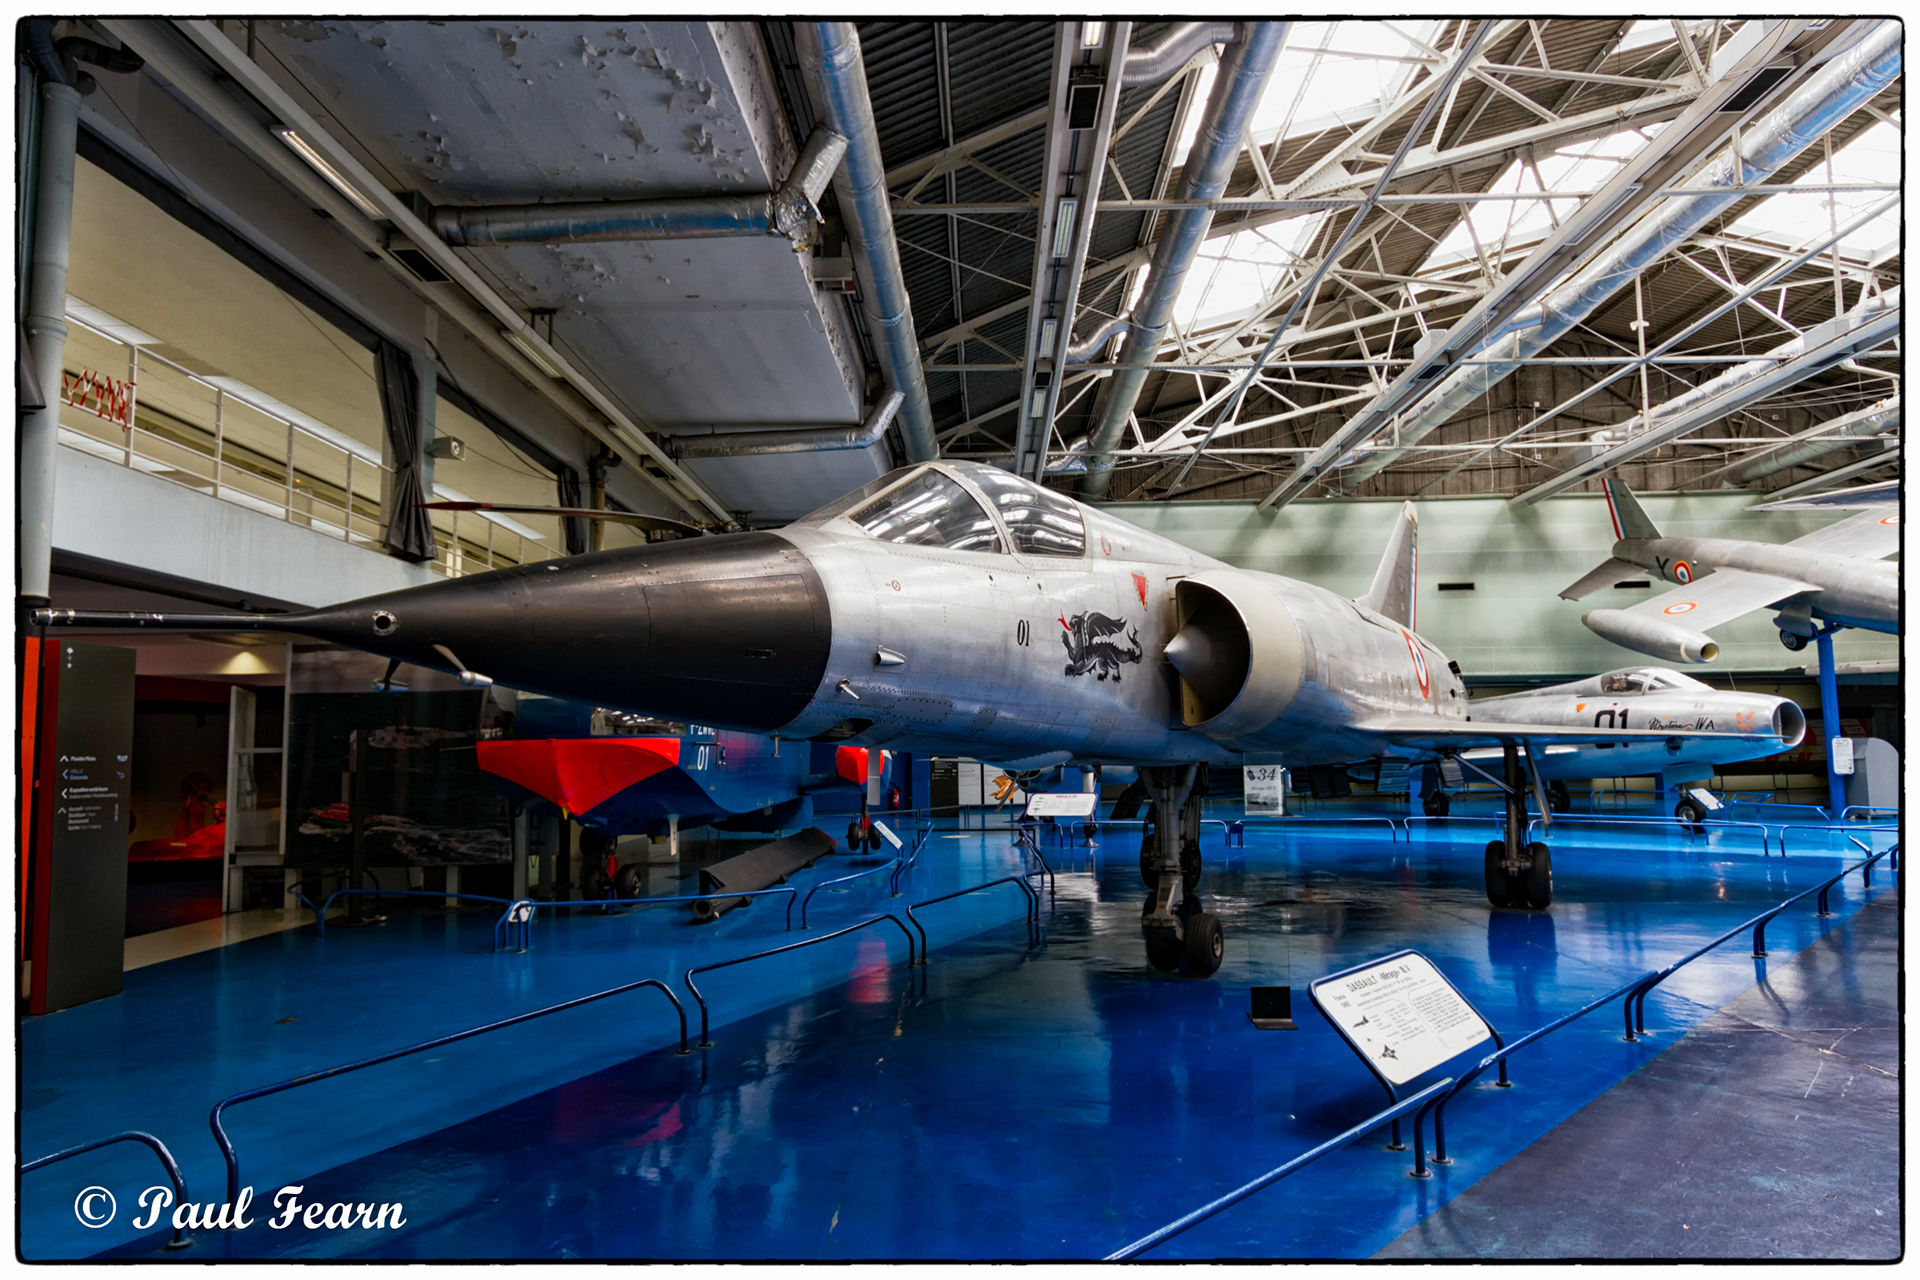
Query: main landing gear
[1519, 872]
[1174, 926]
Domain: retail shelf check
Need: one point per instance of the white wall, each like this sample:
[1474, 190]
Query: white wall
[123, 516]
[1518, 558]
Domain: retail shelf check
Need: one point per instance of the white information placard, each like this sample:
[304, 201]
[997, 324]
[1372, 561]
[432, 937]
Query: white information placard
[1840, 751]
[1400, 1014]
[1266, 790]
[1062, 804]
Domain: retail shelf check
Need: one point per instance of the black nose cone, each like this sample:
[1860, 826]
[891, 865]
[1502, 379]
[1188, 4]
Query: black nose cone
[730, 630]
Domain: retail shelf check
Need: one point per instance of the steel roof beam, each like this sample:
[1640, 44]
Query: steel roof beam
[1861, 329]
[1499, 328]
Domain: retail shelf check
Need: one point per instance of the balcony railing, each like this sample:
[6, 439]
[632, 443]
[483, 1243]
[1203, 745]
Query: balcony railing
[240, 445]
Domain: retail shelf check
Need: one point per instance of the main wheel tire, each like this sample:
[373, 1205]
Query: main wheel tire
[1163, 952]
[630, 881]
[1539, 878]
[1498, 891]
[1204, 945]
[1689, 811]
[1436, 804]
[1793, 643]
[854, 838]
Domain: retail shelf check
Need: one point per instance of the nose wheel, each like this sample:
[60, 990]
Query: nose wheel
[1519, 872]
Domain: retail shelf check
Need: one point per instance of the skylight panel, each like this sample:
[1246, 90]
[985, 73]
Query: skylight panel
[1873, 157]
[1328, 74]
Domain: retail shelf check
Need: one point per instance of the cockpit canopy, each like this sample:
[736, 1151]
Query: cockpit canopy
[1632, 680]
[929, 506]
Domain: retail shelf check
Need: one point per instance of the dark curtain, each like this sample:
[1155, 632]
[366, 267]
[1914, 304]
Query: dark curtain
[409, 528]
[576, 528]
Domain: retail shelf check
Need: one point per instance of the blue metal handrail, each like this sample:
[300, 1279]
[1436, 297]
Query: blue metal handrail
[921, 835]
[1829, 829]
[1497, 1058]
[1633, 1012]
[1869, 810]
[180, 1240]
[885, 866]
[687, 977]
[1033, 905]
[320, 916]
[1663, 823]
[1033, 847]
[1293, 820]
[599, 903]
[1498, 820]
[1267, 1179]
[1636, 1007]
[219, 1108]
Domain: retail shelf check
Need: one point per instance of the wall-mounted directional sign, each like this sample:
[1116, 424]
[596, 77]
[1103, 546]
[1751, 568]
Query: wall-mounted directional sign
[1400, 1014]
[80, 874]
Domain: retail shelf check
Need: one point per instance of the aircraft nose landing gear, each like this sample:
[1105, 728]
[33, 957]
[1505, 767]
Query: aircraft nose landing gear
[1519, 871]
[1172, 922]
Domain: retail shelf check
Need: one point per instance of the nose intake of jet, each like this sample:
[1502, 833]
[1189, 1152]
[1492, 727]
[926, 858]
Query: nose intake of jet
[731, 630]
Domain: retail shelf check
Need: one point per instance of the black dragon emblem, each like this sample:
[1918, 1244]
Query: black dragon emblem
[1090, 648]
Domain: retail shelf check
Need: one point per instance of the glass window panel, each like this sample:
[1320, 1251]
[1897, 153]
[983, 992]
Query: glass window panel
[1042, 522]
[847, 502]
[930, 510]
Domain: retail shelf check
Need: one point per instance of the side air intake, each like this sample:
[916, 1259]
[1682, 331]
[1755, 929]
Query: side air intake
[1237, 651]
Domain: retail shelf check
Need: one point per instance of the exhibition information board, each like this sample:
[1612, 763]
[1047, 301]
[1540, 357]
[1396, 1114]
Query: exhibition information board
[1400, 1014]
[1062, 804]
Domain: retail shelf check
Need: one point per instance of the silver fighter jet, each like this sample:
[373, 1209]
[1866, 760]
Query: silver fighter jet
[1837, 575]
[1647, 698]
[953, 608]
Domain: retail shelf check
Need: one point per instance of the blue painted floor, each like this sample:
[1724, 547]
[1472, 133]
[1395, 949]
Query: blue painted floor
[1010, 1100]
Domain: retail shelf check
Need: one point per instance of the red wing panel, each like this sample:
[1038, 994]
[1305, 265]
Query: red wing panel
[851, 763]
[578, 773]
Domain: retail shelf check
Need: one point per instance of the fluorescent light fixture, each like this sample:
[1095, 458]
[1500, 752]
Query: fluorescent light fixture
[1049, 333]
[305, 150]
[1091, 34]
[532, 353]
[1063, 226]
[112, 326]
[1039, 406]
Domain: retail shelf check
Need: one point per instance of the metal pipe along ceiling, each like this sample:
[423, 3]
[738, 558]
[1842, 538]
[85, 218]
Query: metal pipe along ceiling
[790, 211]
[1874, 420]
[1243, 76]
[1150, 64]
[1834, 92]
[837, 81]
[745, 444]
[1869, 323]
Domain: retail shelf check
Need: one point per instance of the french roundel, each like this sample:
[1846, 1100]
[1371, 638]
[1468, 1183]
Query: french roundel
[1685, 606]
[1892, 519]
[1682, 572]
[1419, 661]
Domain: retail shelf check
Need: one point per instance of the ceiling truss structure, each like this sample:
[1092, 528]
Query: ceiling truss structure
[1380, 245]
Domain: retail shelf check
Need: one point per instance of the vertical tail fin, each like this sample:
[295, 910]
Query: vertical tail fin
[1629, 521]
[1392, 593]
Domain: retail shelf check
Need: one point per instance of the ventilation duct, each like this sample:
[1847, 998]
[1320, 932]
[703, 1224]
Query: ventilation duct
[743, 444]
[792, 211]
[1150, 64]
[837, 84]
[1237, 90]
[1839, 433]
